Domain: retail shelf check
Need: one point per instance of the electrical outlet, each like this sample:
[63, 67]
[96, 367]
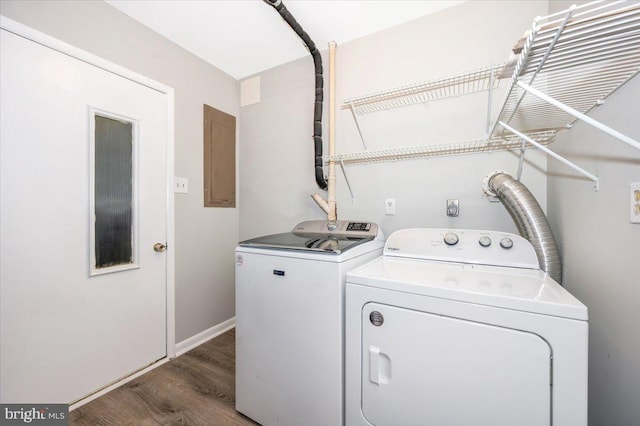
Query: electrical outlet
[180, 185]
[390, 206]
[634, 202]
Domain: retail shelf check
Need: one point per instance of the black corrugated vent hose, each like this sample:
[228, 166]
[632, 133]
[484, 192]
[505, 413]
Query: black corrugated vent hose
[317, 111]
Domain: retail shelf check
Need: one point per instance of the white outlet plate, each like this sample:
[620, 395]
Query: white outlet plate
[390, 206]
[180, 185]
[634, 202]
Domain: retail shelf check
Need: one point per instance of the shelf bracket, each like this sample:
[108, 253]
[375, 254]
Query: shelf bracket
[355, 118]
[491, 80]
[521, 160]
[346, 179]
[553, 154]
[598, 125]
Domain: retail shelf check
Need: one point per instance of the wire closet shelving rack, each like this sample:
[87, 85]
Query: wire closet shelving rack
[567, 64]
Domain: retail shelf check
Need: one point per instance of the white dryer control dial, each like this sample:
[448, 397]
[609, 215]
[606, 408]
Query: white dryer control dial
[484, 241]
[506, 243]
[451, 238]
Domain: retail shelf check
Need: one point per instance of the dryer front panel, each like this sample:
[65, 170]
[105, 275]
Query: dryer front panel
[421, 369]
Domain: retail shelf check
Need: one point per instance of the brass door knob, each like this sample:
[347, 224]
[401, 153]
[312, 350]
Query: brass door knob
[159, 247]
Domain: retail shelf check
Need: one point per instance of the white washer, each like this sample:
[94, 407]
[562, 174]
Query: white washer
[289, 320]
[462, 328]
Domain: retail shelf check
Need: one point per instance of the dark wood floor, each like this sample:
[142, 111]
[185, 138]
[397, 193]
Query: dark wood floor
[197, 388]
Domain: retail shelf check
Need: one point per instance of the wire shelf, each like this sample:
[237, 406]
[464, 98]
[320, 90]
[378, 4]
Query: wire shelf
[577, 57]
[568, 63]
[461, 84]
[497, 143]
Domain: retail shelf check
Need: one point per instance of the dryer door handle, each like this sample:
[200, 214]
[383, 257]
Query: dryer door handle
[379, 366]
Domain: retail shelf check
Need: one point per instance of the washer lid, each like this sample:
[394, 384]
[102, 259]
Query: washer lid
[322, 243]
[320, 236]
[527, 290]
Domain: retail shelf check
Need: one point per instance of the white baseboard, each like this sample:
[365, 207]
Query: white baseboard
[182, 347]
[193, 341]
[116, 384]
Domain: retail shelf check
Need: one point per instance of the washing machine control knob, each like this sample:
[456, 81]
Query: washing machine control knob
[451, 239]
[506, 243]
[484, 241]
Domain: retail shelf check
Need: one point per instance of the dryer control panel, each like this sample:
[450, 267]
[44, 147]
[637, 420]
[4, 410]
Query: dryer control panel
[463, 246]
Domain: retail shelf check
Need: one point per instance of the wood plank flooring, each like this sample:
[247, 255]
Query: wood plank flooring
[196, 388]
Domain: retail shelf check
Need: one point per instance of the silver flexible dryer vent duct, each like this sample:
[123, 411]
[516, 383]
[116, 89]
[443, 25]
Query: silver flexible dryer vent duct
[530, 219]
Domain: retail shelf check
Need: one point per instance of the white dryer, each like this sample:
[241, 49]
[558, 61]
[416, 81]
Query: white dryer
[461, 327]
[289, 320]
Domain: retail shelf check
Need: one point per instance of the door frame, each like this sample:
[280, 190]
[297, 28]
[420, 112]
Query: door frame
[43, 39]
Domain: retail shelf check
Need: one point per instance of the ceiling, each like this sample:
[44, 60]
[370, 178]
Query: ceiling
[245, 37]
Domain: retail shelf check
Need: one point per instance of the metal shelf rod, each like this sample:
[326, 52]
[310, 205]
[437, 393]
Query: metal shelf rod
[355, 118]
[626, 139]
[551, 153]
[346, 179]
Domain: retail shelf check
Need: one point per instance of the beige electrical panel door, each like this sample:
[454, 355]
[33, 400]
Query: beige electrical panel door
[219, 158]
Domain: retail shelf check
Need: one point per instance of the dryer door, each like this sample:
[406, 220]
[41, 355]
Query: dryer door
[426, 369]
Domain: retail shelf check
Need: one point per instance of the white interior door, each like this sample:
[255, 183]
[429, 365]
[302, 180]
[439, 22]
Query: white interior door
[71, 324]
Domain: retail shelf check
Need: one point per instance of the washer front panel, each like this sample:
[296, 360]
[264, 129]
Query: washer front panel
[289, 334]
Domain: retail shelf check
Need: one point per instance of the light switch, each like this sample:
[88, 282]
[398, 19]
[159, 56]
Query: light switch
[634, 202]
[180, 185]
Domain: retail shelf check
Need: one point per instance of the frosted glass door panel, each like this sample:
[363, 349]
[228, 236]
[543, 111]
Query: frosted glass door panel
[114, 232]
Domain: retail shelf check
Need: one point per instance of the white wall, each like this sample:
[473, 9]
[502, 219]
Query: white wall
[276, 149]
[205, 238]
[601, 250]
